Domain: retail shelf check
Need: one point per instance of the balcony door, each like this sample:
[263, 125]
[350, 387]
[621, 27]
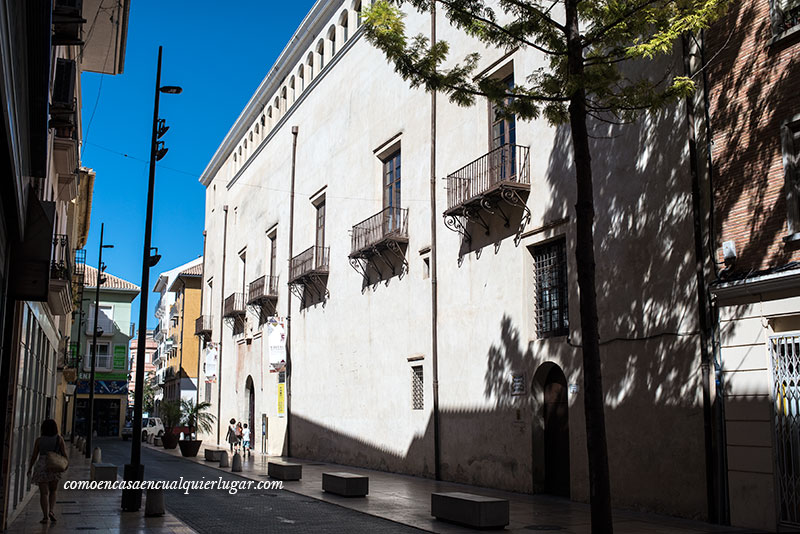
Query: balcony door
[391, 193]
[503, 138]
[319, 253]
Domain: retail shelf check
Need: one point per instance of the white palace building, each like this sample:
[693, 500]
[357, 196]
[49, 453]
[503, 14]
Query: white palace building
[441, 336]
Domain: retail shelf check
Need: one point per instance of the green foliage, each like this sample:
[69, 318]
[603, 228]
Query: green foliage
[613, 33]
[195, 416]
[170, 413]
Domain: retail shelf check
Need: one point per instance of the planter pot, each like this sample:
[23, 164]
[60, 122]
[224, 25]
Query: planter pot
[169, 440]
[190, 448]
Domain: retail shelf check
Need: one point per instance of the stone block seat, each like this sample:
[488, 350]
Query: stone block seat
[470, 510]
[212, 455]
[157, 441]
[284, 470]
[101, 471]
[345, 484]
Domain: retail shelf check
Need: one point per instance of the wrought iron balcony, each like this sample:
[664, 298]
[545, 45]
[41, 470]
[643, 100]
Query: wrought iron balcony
[203, 326]
[313, 261]
[262, 289]
[505, 166]
[60, 294]
[234, 306]
[386, 228]
[501, 177]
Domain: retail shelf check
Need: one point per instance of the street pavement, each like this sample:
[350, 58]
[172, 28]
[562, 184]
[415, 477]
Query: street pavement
[248, 510]
[396, 504]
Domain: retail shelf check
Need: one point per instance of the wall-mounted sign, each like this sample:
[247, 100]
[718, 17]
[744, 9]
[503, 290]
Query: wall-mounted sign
[518, 385]
[276, 342]
[281, 400]
[120, 357]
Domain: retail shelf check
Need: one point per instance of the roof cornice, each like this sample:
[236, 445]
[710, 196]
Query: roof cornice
[301, 41]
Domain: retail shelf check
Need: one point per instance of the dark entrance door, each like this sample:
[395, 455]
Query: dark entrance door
[251, 409]
[106, 417]
[556, 434]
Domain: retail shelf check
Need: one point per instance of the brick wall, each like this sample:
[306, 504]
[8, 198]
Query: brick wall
[754, 86]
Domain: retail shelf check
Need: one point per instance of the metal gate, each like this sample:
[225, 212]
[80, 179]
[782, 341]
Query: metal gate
[785, 362]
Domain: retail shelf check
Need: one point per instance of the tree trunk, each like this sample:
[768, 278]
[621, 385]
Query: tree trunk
[599, 483]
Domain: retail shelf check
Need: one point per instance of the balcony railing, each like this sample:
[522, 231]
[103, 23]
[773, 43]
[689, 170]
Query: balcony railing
[387, 224]
[61, 262]
[234, 305]
[203, 325]
[264, 288]
[505, 165]
[314, 260]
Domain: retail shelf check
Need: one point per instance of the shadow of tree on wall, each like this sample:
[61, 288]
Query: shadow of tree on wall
[753, 91]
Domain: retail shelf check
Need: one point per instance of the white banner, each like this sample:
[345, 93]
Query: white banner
[210, 361]
[276, 340]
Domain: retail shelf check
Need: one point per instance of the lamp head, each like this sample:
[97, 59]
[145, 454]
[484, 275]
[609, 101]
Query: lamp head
[171, 89]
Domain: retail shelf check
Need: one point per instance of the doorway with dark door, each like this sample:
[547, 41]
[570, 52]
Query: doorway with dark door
[555, 414]
[251, 409]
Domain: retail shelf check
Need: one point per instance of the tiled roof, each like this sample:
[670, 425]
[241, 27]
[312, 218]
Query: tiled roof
[194, 270]
[112, 282]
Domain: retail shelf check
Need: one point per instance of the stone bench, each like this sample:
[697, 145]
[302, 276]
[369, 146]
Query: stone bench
[101, 471]
[157, 441]
[471, 510]
[346, 484]
[284, 470]
[212, 455]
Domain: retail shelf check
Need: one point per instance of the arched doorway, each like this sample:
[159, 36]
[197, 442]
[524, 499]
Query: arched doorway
[555, 415]
[250, 391]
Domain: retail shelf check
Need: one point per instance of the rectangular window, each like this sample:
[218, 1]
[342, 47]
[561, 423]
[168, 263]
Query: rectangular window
[790, 144]
[785, 15]
[391, 192]
[320, 239]
[103, 361]
[503, 129]
[417, 389]
[550, 269]
[273, 253]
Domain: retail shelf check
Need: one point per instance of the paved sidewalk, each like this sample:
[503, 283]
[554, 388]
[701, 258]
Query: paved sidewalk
[97, 512]
[406, 499]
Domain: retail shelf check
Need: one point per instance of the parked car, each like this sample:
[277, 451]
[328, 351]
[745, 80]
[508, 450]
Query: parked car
[127, 430]
[152, 425]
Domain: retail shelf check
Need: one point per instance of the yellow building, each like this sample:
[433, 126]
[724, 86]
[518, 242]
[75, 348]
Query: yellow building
[182, 358]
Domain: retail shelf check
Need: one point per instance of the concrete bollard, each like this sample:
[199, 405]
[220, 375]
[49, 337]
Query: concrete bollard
[154, 506]
[97, 456]
[223, 459]
[236, 465]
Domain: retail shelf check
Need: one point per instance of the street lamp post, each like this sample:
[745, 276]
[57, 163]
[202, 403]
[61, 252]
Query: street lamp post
[132, 499]
[98, 283]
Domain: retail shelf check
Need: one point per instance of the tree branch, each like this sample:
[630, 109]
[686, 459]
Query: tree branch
[593, 35]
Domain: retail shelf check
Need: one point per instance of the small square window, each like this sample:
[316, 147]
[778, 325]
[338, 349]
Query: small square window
[417, 390]
[550, 270]
[785, 15]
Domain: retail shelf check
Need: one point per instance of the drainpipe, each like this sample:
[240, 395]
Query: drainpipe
[719, 399]
[202, 308]
[437, 452]
[289, 303]
[221, 322]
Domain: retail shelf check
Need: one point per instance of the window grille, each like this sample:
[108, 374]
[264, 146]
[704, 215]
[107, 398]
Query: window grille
[417, 391]
[552, 309]
[785, 364]
[208, 391]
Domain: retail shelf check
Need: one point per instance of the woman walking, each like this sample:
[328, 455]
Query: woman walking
[45, 478]
[231, 435]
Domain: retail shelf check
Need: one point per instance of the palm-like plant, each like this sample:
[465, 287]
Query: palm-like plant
[196, 418]
[170, 413]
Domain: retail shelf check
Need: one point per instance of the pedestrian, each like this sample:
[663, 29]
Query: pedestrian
[239, 433]
[246, 440]
[231, 436]
[43, 474]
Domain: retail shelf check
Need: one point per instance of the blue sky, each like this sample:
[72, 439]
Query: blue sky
[218, 55]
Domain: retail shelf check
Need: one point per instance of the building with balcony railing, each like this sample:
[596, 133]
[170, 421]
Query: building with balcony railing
[179, 347]
[459, 346]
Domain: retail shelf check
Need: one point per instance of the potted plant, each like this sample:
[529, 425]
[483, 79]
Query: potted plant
[195, 418]
[170, 411]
